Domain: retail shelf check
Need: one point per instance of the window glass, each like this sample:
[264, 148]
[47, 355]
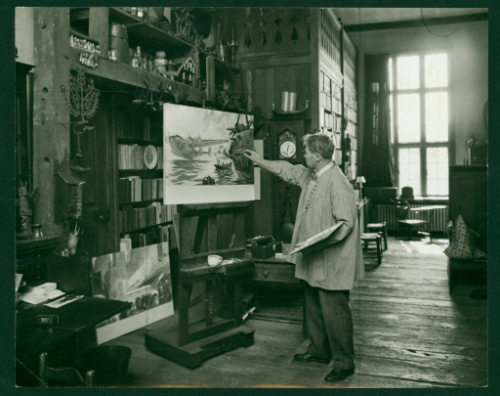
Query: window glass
[391, 73]
[436, 70]
[409, 169]
[437, 171]
[408, 72]
[409, 118]
[436, 117]
[391, 118]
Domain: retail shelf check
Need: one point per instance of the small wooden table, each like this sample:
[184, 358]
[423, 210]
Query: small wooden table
[411, 223]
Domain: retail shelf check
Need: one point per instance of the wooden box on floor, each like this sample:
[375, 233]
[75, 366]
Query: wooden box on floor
[203, 230]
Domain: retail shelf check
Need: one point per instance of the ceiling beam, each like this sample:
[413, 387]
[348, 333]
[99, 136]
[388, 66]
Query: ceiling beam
[482, 16]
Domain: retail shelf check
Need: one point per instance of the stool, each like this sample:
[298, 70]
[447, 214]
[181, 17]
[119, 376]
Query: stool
[373, 237]
[379, 228]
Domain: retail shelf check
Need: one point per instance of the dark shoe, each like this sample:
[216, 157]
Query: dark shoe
[337, 375]
[306, 358]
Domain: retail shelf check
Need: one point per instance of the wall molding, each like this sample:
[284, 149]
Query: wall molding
[482, 16]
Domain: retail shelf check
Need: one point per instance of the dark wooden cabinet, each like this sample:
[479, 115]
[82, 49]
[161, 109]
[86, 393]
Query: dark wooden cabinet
[468, 198]
[286, 196]
[98, 198]
[32, 258]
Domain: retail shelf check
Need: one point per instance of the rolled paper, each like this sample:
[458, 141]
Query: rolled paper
[284, 100]
[292, 101]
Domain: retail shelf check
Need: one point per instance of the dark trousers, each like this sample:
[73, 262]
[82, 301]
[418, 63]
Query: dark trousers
[329, 326]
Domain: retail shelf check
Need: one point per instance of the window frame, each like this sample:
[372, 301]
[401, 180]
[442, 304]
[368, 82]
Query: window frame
[422, 145]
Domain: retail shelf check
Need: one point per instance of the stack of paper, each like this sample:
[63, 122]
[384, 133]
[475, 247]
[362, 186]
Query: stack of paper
[41, 293]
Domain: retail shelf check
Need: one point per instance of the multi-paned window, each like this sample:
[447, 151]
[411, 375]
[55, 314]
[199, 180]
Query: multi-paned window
[419, 102]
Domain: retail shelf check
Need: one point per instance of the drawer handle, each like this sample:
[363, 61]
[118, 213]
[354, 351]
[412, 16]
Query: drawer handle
[266, 274]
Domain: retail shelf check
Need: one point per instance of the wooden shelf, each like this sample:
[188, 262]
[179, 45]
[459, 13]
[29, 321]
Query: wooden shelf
[30, 246]
[221, 67]
[149, 37]
[126, 74]
[140, 142]
[83, 36]
[136, 230]
[143, 173]
[139, 203]
[139, 27]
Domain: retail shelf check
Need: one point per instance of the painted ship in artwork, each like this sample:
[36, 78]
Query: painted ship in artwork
[193, 148]
[192, 153]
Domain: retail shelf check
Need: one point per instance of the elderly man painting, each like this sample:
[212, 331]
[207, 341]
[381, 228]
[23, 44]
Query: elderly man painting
[330, 267]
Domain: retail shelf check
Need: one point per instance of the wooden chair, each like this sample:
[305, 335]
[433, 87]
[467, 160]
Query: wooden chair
[379, 228]
[375, 238]
[66, 376]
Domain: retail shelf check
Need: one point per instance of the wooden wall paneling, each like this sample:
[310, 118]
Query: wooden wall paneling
[286, 197]
[284, 80]
[99, 196]
[263, 96]
[282, 206]
[263, 89]
[468, 185]
[99, 27]
[253, 27]
[51, 134]
[263, 209]
[302, 85]
[315, 75]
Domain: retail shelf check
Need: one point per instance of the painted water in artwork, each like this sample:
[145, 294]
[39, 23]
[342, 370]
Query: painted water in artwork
[204, 146]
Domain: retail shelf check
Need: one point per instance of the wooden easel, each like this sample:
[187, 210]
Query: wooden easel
[193, 342]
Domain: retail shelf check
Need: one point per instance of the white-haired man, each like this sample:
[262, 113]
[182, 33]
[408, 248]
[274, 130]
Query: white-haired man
[330, 267]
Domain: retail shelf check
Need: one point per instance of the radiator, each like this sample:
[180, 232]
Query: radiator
[387, 213]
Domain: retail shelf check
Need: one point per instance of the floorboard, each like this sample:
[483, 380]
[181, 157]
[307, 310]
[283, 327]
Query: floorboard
[409, 333]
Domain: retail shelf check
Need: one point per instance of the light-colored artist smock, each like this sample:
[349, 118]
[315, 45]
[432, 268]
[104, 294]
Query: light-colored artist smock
[322, 203]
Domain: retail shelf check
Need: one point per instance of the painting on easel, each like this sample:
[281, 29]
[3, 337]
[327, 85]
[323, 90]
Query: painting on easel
[203, 156]
[140, 276]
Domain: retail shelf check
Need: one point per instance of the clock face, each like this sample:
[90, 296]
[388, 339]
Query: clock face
[288, 149]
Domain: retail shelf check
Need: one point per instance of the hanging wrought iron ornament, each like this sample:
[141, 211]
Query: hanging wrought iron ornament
[82, 99]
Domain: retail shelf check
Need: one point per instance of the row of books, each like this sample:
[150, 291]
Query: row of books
[330, 103]
[135, 189]
[352, 114]
[132, 156]
[134, 218]
[332, 121]
[352, 129]
[149, 237]
[130, 126]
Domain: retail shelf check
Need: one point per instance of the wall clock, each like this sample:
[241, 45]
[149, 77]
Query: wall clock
[287, 143]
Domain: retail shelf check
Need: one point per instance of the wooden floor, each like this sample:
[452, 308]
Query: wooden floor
[408, 332]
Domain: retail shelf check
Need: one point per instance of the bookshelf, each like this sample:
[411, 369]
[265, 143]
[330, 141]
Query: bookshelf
[142, 218]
